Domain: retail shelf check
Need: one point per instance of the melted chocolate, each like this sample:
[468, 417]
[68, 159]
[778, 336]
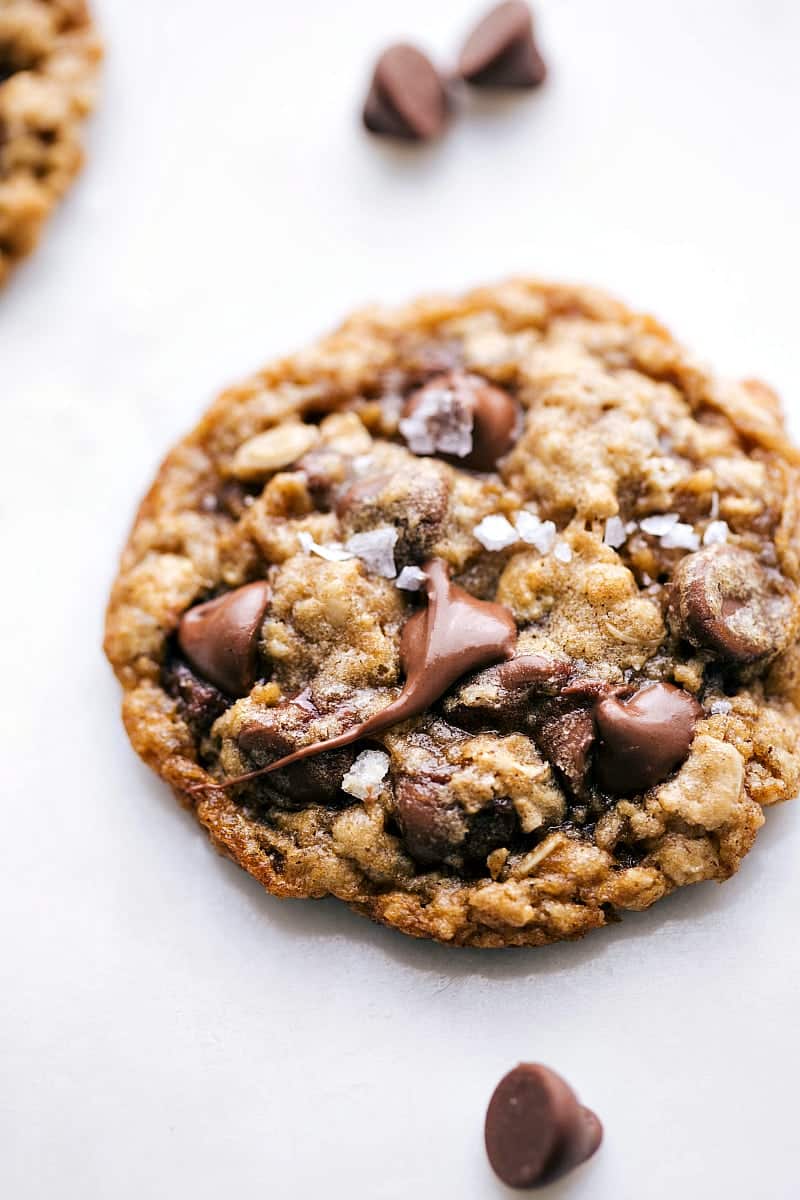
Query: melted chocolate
[454, 634]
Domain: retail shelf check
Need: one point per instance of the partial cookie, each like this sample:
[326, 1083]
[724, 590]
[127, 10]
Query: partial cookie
[49, 54]
[480, 615]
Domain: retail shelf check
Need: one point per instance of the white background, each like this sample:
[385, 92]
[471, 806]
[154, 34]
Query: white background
[166, 1029]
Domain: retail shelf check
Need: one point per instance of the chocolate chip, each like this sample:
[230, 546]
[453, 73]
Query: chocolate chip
[493, 826]
[415, 502]
[220, 637]
[533, 671]
[199, 702]
[278, 732]
[430, 826]
[643, 739]
[725, 601]
[407, 97]
[501, 50]
[565, 738]
[536, 1129]
[463, 418]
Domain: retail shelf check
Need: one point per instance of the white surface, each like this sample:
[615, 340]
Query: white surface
[167, 1029]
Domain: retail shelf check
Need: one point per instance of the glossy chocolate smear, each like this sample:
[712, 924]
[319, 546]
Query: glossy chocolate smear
[407, 98]
[454, 634]
[220, 637]
[725, 601]
[501, 51]
[536, 1129]
[463, 418]
[643, 739]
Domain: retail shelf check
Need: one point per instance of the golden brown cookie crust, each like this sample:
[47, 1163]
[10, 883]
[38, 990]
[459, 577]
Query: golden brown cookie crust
[49, 53]
[620, 422]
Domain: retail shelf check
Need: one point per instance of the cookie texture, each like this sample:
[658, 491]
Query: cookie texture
[590, 637]
[49, 54]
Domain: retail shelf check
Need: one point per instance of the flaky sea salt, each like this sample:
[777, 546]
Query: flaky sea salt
[680, 537]
[720, 708]
[537, 533]
[364, 778]
[714, 506]
[716, 533]
[331, 551]
[615, 534]
[495, 532]
[375, 548]
[659, 524]
[440, 421]
[410, 579]
[562, 552]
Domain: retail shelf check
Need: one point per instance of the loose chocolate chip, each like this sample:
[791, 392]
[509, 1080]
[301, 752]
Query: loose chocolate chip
[407, 97]
[199, 702]
[414, 502]
[431, 827]
[725, 601]
[501, 50]
[536, 1129]
[644, 738]
[280, 731]
[220, 637]
[463, 418]
[565, 738]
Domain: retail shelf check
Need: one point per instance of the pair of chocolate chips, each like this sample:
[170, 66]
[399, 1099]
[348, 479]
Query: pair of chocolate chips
[536, 1129]
[409, 98]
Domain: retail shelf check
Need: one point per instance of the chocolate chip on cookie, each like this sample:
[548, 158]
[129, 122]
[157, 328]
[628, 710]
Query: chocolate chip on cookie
[536, 1129]
[644, 738]
[220, 637]
[725, 601]
[464, 418]
[501, 51]
[407, 98]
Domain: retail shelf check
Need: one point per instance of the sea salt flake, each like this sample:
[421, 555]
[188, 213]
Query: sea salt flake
[495, 532]
[615, 534]
[441, 421]
[331, 551]
[680, 537]
[540, 534]
[714, 506]
[716, 533]
[375, 548]
[660, 524]
[720, 707]
[364, 778]
[410, 579]
[562, 552]
[631, 527]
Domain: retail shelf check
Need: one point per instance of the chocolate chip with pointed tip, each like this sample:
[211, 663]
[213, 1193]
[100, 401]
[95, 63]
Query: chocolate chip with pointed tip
[643, 739]
[220, 637]
[461, 399]
[536, 1129]
[407, 97]
[501, 51]
[725, 601]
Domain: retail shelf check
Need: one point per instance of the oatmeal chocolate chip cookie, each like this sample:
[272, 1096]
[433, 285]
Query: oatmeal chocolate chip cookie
[481, 615]
[48, 59]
